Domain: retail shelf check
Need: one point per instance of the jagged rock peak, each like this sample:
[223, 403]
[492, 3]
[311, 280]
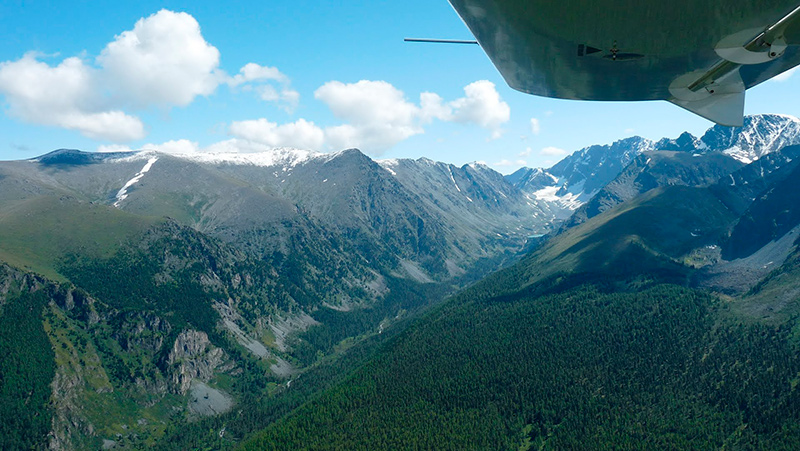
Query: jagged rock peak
[686, 142]
[759, 136]
[478, 165]
[585, 171]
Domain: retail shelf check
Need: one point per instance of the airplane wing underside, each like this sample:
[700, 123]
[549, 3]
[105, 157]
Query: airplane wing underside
[701, 56]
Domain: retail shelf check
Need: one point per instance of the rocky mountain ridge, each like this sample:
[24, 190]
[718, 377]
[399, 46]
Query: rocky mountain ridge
[577, 178]
[345, 191]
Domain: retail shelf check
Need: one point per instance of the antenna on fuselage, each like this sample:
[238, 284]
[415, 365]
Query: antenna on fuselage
[440, 41]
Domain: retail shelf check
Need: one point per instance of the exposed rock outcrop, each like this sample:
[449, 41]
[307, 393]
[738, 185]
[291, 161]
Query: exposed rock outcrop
[194, 357]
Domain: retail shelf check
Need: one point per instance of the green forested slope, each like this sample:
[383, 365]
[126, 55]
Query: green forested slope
[27, 367]
[592, 366]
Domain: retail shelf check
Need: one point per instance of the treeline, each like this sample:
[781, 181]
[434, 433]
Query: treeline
[129, 281]
[588, 367]
[259, 408]
[404, 297]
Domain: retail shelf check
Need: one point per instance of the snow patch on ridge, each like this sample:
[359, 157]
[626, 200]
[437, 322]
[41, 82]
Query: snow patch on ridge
[388, 165]
[569, 200]
[283, 156]
[388, 162]
[762, 135]
[122, 194]
[450, 171]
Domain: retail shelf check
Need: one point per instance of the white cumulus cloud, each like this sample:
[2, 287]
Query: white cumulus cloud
[164, 61]
[177, 147]
[64, 96]
[378, 115]
[433, 107]
[187, 147]
[255, 72]
[106, 125]
[482, 106]
[367, 101]
[301, 134]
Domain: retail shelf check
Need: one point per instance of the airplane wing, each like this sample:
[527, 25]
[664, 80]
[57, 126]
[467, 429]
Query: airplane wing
[701, 56]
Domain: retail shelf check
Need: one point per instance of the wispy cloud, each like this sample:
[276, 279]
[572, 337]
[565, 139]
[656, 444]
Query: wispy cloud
[505, 163]
[535, 126]
[269, 83]
[552, 151]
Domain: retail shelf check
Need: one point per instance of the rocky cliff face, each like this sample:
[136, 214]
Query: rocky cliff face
[194, 357]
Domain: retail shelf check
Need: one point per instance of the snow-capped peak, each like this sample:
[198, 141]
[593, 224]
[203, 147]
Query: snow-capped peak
[760, 135]
[280, 156]
[587, 170]
[391, 162]
[479, 165]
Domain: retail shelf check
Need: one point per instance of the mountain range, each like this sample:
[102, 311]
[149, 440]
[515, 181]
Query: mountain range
[580, 176]
[610, 334]
[292, 299]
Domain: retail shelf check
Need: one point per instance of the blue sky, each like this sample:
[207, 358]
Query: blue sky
[244, 76]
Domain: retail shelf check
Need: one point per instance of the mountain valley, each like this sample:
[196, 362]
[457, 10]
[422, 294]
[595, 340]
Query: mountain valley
[642, 294]
[599, 338]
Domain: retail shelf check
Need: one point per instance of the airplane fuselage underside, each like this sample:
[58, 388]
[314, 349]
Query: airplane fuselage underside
[631, 50]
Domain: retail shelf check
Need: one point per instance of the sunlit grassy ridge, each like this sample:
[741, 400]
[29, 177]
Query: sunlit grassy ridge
[647, 235]
[36, 233]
